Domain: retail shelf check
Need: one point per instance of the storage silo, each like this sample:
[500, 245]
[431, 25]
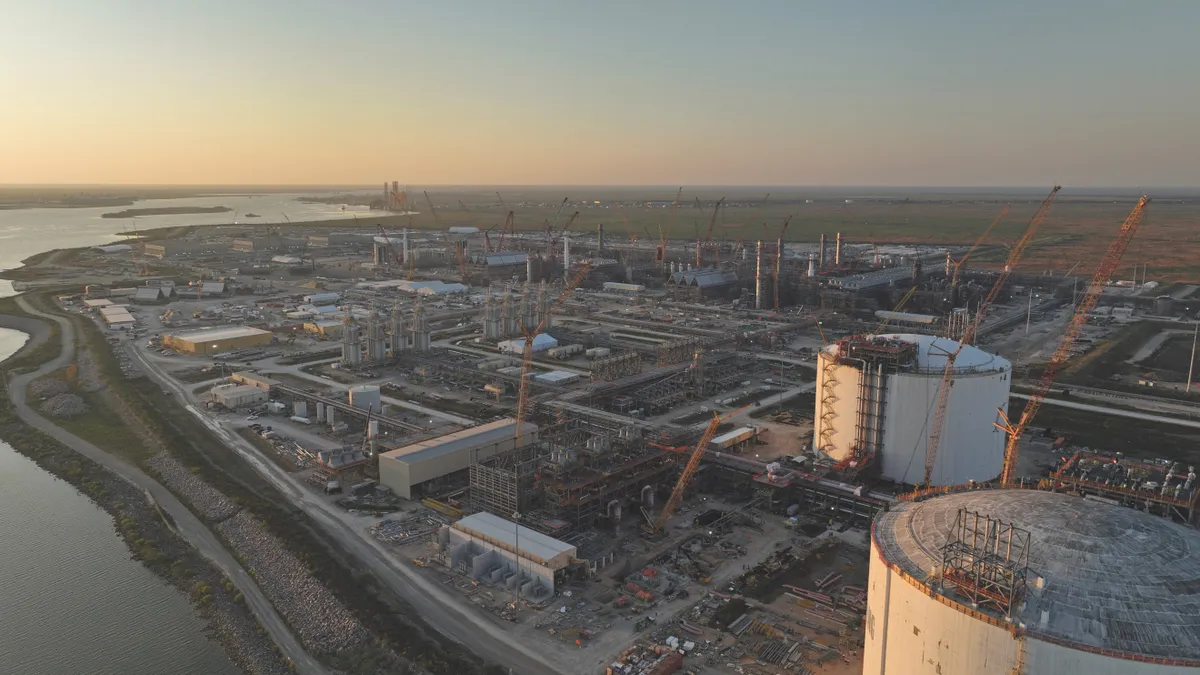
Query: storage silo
[876, 396]
[366, 397]
[1004, 581]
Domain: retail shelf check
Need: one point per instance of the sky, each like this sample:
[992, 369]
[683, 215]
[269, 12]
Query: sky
[621, 92]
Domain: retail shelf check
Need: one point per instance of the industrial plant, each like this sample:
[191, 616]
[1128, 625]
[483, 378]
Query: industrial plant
[649, 453]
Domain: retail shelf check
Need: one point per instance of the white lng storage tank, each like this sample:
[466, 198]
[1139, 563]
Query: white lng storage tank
[1005, 581]
[876, 395]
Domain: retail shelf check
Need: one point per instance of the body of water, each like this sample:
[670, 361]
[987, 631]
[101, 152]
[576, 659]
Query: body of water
[72, 600]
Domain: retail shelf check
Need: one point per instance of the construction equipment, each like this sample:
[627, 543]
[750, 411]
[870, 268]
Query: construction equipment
[459, 246]
[779, 253]
[1101, 278]
[508, 227]
[689, 469]
[199, 297]
[967, 256]
[899, 305]
[712, 222]
[968, 336]
[527, 348]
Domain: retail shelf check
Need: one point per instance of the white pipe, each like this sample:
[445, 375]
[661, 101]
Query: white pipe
[758, 277]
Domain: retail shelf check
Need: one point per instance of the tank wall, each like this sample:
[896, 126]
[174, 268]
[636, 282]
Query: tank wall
[971, 447]
[845, 408]
[910, 633]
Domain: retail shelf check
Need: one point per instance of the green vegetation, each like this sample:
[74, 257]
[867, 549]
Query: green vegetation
[167, 211]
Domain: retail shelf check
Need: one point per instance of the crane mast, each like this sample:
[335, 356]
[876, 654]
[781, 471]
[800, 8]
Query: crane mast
[1101, 278]
[527, 348]
[968, 336]
[689, 469]
[708, 237]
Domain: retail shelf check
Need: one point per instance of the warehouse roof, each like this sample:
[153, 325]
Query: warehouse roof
[151, 293]
[531, 543]
[557, 376]
[119, 318]
[102, 302]
[1111, 577]
[458, 441]
[215, 334]
[704, 278]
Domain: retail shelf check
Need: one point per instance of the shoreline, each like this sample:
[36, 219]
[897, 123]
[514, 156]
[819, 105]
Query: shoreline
[147, 532]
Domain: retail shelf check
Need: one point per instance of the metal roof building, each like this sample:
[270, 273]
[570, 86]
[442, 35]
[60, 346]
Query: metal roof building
[993, 582]
[704, 278]
[406, 469]
[541, 342]
[495, 549]
[214, 340]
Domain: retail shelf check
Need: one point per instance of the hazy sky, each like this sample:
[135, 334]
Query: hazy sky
[789, 92]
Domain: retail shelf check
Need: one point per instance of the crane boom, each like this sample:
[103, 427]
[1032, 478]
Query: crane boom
[968, 337]
[712, 221]
[967, 256]
[1101, 278]
[527, 348]
[508, 227]
[690, 468]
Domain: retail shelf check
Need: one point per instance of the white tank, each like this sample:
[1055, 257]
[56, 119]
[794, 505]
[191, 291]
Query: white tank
[366, 397]
[1109, 590]
[890, 412]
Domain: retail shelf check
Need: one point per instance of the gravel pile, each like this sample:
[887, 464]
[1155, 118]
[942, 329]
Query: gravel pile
[209, 501]
[40, 389]
[321, 622]
[64, 405]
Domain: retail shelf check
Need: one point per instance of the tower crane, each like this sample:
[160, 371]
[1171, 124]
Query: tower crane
[1101, 278]
[779, 254]
[527, 348]
[689, 470]
[968, 336]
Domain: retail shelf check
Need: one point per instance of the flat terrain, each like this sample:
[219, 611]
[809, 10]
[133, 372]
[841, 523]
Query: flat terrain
[167, 211]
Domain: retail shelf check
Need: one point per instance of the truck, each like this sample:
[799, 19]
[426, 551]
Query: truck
[301, 420]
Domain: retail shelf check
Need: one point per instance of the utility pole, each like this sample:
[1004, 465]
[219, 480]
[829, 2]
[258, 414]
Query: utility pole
[1029, 310]
[1192, 363]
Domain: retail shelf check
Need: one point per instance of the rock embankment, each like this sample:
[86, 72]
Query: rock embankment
[64, 405]
[209, 501]
[321, 621]
[47, 387]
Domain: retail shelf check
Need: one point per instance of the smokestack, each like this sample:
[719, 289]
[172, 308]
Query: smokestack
[821, 254]
[949, 263]
[599, 238]
[528, 267]
[566, 257]
[758, 277]
[837, 250]
[812, 265]
[387, 199]
[404, 246]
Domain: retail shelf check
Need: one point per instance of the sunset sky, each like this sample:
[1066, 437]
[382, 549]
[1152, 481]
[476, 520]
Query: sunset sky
[922, 92]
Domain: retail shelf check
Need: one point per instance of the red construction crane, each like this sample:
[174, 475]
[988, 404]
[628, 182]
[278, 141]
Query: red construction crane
[1102, 277]
[712, 221]
[690, 469]
[527, 348]
[508, 227]
[968, 336]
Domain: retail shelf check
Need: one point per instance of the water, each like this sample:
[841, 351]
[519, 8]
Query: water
[33, 231]
[72, 601]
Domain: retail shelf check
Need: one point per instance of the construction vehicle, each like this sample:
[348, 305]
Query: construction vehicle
[968, 337]
[1101, 278]
[689, 470]
[527, 348]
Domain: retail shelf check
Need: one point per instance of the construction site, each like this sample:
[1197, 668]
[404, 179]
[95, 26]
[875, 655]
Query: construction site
[652, 454]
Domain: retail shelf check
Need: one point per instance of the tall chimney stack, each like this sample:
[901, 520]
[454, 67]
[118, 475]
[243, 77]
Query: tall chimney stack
[758, 277]
[599, 239]
[837, 250]
[821, 253]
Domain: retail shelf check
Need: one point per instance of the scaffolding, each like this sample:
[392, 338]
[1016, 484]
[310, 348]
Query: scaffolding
[986, 561]
[677, 350]
[829, 397]
[1153, 487]
[615, 367]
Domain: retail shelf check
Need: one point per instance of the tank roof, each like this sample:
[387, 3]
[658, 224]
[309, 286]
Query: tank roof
[1111, 577]
[931, 352]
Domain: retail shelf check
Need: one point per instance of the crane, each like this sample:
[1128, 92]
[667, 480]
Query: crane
[1101, 278]
[689, 469]
[968, 336]
[967, 256]
[502, 204]
[458, 246]
[527, 348]
[899, 305]
[508, 227]
[708, 237]
[779, 254]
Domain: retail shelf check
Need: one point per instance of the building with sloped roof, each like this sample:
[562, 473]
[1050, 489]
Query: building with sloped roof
[704, 281]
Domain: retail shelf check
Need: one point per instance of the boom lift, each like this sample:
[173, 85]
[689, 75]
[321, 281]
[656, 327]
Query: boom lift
[690, 469]
[1104, 272]
[527, 348]
[968, 337]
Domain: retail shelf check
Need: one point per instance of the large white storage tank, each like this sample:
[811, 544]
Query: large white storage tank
[1107, 589]
[876, 395]
[366, 397]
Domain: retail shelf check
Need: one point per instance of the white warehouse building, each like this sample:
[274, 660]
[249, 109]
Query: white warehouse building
[1081, 586]
[876, 396]
[493, 549]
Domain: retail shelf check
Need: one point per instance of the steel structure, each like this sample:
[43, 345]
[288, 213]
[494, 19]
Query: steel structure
[530, 334]
[689, 470]
[986, 560]
[1104, 271]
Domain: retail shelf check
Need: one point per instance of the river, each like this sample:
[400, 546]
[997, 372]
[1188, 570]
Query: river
[72, 600]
